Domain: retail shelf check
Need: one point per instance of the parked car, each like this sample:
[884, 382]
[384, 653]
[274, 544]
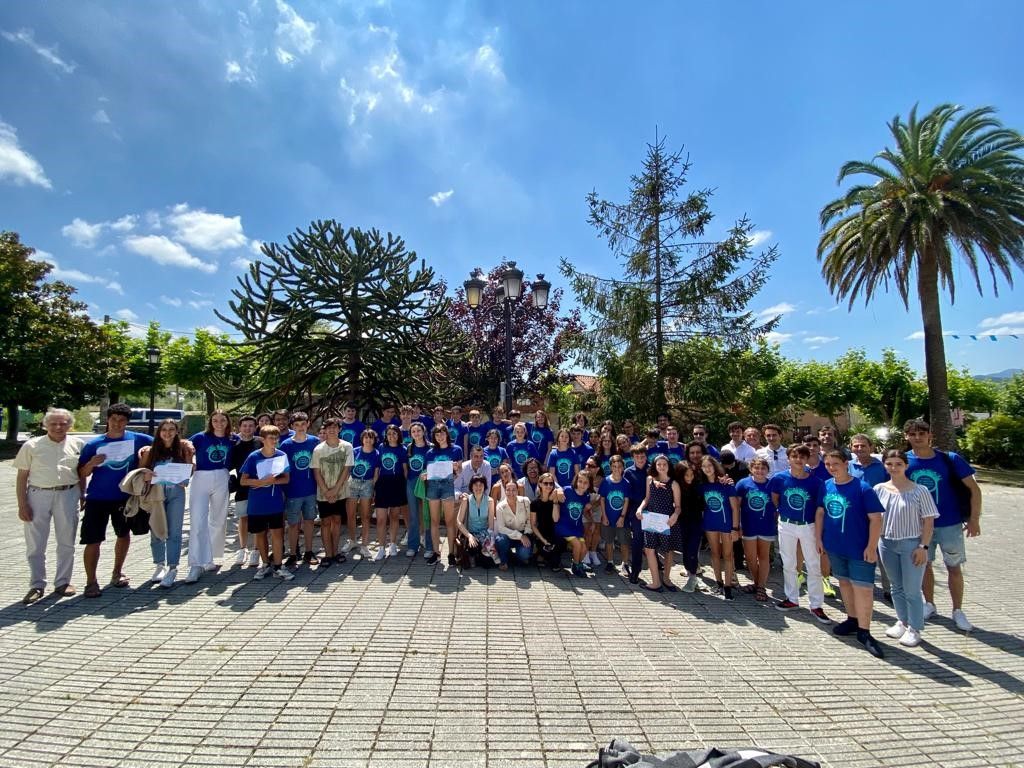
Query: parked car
[139, 421]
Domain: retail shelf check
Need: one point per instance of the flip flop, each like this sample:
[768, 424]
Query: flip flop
[119, 580]
[649, 588]
[92, 590]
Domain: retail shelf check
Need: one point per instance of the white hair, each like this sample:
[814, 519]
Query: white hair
[59, 412]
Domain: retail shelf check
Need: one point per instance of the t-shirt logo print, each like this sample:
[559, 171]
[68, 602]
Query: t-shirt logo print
[348, 435]
[301, 460]
[929, 478]
[388, 461]
[715, 502]
[563, 467]
[416, 463]
[521, 455]
[796, 499]
[835, 505]
[616, 500]
[217, 453]
[575, 510]
[757, 501]
[537, 436]
[361, 469]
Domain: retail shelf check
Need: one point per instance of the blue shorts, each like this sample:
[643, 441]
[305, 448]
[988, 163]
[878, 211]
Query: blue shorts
[441, 490]
[950, 539]
[241, 508]
[359, 489]
[859, 572]
[304, 505]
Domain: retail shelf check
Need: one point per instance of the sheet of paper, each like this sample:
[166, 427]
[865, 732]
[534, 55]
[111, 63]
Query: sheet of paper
[272, 467]
[440, 470]
[172, 473]
[654, 522]
[119, 451]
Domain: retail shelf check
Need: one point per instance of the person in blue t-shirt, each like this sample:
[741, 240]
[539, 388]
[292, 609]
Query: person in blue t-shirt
[300, 493]
[583, 450]
[864, 465]
[561, 460]
[636, 476]
[615, 492]
[365, 470]
[932, 469]
[494, 454]
[671, 447]
[265, 509]
[104, 499]
[351, 427]
[758, 523]
[457, 429]
[476, 430]
[417, 518]
[281, 418]
[540, 435]
[447, 460]
[519, 449]
[208, 498]
[387, 418]
[389, 493]
[849, 524]
[569, 516]
[721, 521]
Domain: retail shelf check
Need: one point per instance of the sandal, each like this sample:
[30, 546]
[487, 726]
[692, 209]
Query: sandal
[92, 589]
[118, 580]
[761, 595]
[649, 588]
[669, 586]
[748, 589]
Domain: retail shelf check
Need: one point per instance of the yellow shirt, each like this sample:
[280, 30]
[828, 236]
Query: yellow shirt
[49, 463]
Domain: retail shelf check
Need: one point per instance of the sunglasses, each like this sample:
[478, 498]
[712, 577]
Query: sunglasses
[546, 482]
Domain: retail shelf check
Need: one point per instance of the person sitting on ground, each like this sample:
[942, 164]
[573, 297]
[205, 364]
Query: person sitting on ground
[512, 526]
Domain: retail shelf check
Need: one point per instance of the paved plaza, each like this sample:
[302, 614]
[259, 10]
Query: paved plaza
[405, 664]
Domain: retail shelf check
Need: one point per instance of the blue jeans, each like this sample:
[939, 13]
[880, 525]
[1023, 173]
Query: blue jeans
[416, 508]
[169, 551]
[505, 546]
[906, 578]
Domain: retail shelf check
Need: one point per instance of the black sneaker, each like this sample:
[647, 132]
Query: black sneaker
[291, 562]
[451, 559]
[728, 593]
[432, 560]
[845, 628]
[310, 559]
[609, 567]
[871, 646]
[326, 562]
[340, 558]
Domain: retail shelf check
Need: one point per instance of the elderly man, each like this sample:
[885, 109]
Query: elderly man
[48, 489]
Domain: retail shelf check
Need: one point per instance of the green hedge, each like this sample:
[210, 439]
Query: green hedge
[996, 442]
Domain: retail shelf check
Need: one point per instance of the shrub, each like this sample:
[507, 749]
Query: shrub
[996, 442]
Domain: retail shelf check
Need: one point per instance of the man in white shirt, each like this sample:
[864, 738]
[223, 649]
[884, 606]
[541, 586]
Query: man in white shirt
[49, 489]
[740, 449]
[775, 452]
[475, 466]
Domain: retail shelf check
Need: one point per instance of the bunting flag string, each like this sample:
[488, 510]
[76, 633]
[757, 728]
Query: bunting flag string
[989, 336]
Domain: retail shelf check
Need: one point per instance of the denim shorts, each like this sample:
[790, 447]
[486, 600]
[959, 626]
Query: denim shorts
[758, 537]
[860, 572]
[950, 539]
[359, 489]
[304, 505]
[241, 508]
[441, 490]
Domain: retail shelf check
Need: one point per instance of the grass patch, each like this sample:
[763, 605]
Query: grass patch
[1011, 477]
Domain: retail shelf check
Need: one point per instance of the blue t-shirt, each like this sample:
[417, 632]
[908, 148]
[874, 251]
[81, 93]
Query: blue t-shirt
[506, 432]
[268, 500]
[364, 463]
[717, 506]
[820, 472]
[757, 513]
[933, 474]
[616, 496]
[637, 479]
[456, 432]
[353, 433]
[570, 513]
[845, 530]
[872, 474]
[711, 451]
[393, 460]
[212, 452]
[494, 457]
[380, 427]
[798, 497]
[583, 452]
[451, 453]
[105, 479]
[541, 437]
[300, 474]
[478, 434]
[519, 454]
[406, 437]
[674, 453]
[418, 458]
[561, 464]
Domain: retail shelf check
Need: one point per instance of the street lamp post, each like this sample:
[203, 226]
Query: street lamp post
[153, 357]
[512, 289]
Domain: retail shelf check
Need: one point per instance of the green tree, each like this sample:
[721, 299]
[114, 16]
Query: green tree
[970, 394]
[674, 284]
[953, 184]
[1012, 401]
[207, 362]
[341, 314]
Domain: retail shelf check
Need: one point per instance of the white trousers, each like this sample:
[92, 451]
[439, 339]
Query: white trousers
[789, 536]
[208, 514]
[60, 507]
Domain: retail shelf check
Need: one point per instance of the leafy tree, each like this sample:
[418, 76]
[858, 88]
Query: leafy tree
[996, 442]
[206, 362]
[953, 184]
[971, 394]
[1012, 403]
[336, 315]
[125, 368]
[48, 344]
[541, 340]
[674, 285]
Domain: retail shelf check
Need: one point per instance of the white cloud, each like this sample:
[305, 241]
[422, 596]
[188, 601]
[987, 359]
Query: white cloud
[758, 237]
[819, 340]
[301, 34]
[27, 37]
[915, 336]
[440, 198]
[125, 223]
[774, 337]
[127, 314]
[284, 57]
[488, 60]
[164, 251]
[777, 309]
[170, 301]
[241, 264]
[1002, 330]
[16, 164]
[200, 304]
[206, 231]
[100, 116]
[214, 329]
[1007, 318]
[115, 286]
[82, 233]
[256, 246]
[235, 72]
[76, 276]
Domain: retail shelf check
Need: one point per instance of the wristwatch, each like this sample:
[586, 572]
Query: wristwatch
[923, 546]
[736, 528]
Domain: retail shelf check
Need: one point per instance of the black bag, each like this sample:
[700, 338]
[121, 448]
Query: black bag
[619, 754]
[960, 490]
[139, 523]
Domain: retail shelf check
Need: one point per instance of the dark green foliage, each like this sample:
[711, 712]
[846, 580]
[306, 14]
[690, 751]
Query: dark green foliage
[996, 442]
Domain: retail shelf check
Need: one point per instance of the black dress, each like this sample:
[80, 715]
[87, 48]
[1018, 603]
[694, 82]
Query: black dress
[661, 501]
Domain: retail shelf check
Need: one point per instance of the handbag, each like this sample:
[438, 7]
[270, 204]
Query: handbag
[420, 491]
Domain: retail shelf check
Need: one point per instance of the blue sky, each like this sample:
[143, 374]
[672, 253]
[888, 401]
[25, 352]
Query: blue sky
[147, 148]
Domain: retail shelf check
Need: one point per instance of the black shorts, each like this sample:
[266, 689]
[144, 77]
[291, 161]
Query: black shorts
[95, 518]
[331, 509]
[264, 523]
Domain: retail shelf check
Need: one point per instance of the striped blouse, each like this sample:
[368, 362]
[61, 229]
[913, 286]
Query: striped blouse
[904, 511]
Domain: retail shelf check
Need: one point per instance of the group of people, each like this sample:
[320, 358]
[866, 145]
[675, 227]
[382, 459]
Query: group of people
[507, 489]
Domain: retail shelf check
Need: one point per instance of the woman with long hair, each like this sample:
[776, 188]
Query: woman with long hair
[561, 460]
[208, 511]
[662, 498]
[721, 522]
[166, 449]
[418, 448]
[540, 434]
[549, 546]
[441, 490]
[389, 491]
[759, 524]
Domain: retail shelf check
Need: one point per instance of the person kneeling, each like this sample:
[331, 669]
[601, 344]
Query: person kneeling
[475, 519]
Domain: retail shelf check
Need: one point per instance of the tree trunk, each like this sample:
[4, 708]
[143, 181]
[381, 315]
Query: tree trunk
[941, 416]
[211, 403]
[12, 421]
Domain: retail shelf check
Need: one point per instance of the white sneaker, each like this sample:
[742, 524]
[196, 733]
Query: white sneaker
[929, 610]
[910, 638]
[158, 575]
[427, 554]
[405, 539]
[169, 576]
[595, 560]
[960, 619]
[381, 554]
[284, 573]
[897, 630]
[410, 553]
[193, 574]
[691, 584]
[254, 558]
[241, 556]
[211, 567]
[346, 547]
[364, 552]
[262, 573]
[392, 550]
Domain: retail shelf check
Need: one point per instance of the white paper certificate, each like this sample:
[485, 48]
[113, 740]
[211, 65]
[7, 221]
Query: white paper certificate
[172, 473]
[117, 451]
[654, 522]
[272, 467]
[440, 470]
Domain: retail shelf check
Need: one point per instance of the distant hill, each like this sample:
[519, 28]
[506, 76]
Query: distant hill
[1009, 373]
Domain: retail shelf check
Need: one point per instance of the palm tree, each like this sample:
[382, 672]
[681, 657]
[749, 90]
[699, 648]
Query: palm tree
[954, 185]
